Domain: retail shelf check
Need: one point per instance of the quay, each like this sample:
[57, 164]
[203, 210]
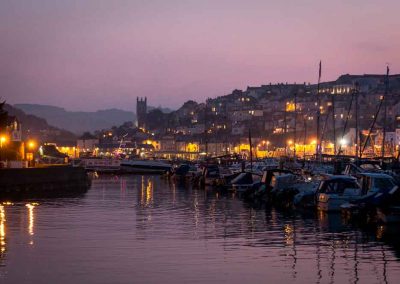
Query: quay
[43, 181]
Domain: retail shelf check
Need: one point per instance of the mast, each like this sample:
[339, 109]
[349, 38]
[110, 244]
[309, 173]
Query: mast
[206, 129]
[333, 122]
[318, 149]
[372, 125]
[285, 129]
[357, 130]
[305, 138]
[385, 112]
[295, 124]
[251, 151]
[346, 122]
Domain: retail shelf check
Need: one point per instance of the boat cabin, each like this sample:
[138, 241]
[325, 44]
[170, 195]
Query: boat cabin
[374, 182]
[339, 185]
[278, 178]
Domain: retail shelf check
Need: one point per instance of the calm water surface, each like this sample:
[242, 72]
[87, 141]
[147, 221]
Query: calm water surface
[140, 229]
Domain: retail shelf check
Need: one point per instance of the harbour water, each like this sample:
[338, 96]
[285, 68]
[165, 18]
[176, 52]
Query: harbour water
[142, 229]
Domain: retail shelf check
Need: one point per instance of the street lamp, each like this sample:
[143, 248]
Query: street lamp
[3, 139]
[31, 145]
[343, 142]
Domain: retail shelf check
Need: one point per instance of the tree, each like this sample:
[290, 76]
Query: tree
[3, 116]
[156, 119]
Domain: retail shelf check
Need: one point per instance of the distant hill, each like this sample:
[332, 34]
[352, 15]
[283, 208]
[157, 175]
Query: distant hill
[78, 121]
[36, 127]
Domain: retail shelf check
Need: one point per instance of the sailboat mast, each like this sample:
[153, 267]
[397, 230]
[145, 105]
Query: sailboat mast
[318, 149]
[295, 124]
[333, 122]
[251, 151]
[385, 112]
[305, 137]
[206, 128]
[357, 130]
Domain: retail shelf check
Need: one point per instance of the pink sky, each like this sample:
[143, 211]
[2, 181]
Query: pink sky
[88, 55]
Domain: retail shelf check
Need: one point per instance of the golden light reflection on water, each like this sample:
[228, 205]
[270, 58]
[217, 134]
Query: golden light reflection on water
[146, 191]
[142, 192]
[31, 219]
[2, 229]
[149, 191]
[380, 232]
[289, 232]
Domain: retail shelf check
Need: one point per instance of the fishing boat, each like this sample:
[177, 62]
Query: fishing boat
[145, 166]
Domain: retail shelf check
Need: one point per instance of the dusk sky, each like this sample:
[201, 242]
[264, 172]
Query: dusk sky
[89, 55]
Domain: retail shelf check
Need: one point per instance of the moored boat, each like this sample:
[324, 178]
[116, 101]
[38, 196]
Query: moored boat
[210, 175]
[337, 190]
[145, 166]
[245, 181]
[99, 165]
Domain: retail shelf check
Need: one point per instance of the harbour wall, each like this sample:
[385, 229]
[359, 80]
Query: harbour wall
[43, 182]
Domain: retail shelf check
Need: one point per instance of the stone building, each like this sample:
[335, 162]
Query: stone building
[141, 111]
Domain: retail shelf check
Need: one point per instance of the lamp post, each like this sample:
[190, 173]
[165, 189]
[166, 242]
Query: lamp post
[3, 140]
[29, 155]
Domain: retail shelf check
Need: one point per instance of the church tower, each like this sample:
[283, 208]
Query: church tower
[141, 112]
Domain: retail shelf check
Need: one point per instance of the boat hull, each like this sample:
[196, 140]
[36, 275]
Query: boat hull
[332, 203]
[144, 168]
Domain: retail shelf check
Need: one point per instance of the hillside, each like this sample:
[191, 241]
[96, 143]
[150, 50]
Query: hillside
[36, 127]
[78, 121]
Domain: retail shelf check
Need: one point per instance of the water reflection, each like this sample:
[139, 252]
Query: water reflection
[149, 191]
[146, 190]
[324, 242]
[2, 229]
[31, 220]
[144, 227]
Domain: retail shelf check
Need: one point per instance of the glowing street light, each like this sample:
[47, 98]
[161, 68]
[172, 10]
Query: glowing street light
[3, 139]
[343, 142]
[31, 144]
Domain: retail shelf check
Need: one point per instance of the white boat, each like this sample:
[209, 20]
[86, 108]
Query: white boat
[145, 166]
[100, 165]
[337, 190]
